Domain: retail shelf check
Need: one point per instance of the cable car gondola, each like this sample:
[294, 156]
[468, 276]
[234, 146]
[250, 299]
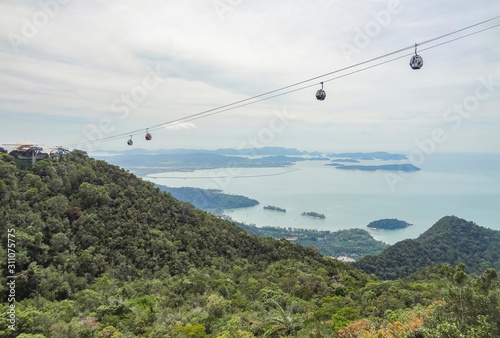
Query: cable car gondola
[58, 152]
[148, 136]
[416, 61]
[130, 142]
[320, 94]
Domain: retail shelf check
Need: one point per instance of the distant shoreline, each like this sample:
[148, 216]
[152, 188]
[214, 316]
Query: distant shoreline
[406, 167]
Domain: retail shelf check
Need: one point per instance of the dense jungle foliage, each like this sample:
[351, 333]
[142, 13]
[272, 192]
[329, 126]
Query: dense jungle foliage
[101, 253]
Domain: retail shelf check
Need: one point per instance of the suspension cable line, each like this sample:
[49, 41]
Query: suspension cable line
[264, 96]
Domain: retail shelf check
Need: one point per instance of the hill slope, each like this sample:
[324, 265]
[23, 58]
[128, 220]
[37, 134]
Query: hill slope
[451, 240]
[84, 218]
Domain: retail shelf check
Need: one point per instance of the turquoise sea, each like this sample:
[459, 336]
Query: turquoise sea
[463, 184]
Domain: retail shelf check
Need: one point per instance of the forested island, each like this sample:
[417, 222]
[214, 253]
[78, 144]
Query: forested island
[213, 200]
[314, 214]
[388, 224]
[346, 160]
[406, 167]
[379, 155]
[318, 159]
[334, 164]
[272, 207]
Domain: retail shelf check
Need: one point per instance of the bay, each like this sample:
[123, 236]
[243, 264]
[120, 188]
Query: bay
[462, 184]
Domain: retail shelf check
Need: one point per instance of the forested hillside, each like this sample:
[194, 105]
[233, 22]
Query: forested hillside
[86, 217]
[451, 240]
[101, 253]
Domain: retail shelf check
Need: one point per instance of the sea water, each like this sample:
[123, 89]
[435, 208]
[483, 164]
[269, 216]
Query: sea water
[461, 184]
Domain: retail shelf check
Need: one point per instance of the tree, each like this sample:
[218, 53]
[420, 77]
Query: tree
[59, 242]
[92, 195]
[283, 321]
[109, 332]
[472, 305]
[197, 331]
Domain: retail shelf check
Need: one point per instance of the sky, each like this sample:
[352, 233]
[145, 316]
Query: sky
[78, 73]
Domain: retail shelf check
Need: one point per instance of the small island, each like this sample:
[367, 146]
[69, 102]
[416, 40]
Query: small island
[272, 207]
[313, 214]
[347, 160]
[406, 167]
[388, 224]
[379, 155]
[318, 158]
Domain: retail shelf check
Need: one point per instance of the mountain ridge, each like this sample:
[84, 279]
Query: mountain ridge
[450, 240]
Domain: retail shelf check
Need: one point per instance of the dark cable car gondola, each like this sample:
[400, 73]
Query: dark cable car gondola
[416, 61]
[148, 135]
[130, 142]
[58, 152]
[320, 94]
